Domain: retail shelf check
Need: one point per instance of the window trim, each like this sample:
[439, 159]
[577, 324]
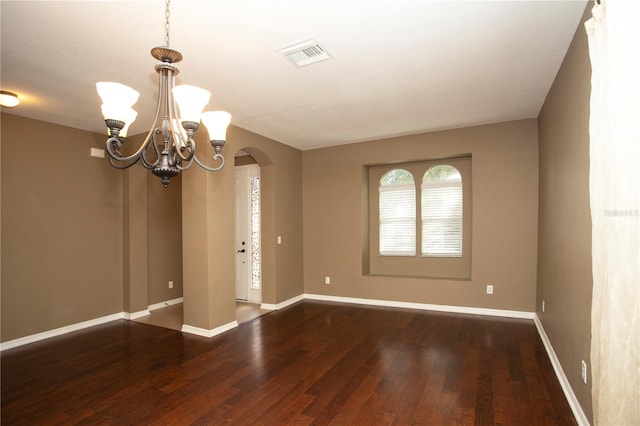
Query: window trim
[417, 265]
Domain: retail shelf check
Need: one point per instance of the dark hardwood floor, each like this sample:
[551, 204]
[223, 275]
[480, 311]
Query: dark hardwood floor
[312, 363]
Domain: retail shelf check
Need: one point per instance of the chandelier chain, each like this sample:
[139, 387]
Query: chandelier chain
[166, 22]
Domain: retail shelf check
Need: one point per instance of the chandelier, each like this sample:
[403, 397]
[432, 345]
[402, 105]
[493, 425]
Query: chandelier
[169, 147]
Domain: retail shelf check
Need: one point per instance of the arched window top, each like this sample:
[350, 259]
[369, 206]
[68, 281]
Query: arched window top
[396, 177]
[397, 209]
[442, 173]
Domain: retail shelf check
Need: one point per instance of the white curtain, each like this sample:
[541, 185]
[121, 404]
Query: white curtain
[614, 49]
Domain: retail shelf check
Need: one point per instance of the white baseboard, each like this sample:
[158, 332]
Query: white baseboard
[136, 315]
[424, 306]
[59, 331]
[282, 305]
[268, 306]
[145, 312]
[209, 333]
[165, 303]
[581, 418]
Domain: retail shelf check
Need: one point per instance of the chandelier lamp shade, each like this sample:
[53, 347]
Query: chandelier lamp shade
[169, 146]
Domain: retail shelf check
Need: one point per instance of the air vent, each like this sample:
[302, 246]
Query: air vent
[305, 53]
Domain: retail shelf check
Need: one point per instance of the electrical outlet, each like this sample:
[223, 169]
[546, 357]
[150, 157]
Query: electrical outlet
[170, 284]
[327, 280]
[489, 289]
[584, 372]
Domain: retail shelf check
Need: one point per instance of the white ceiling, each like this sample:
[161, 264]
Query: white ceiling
[399, 66]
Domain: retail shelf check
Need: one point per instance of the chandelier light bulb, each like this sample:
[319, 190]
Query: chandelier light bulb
[120, 113]
[129, 119]
[216, 123]
[191, 101]
[117, 94]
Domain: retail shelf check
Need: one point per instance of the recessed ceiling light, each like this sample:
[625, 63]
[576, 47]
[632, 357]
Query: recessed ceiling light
[8, 99]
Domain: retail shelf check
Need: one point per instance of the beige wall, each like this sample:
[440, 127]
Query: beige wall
[281, 178]
[164, 217]
[85, 240]
[135, 260]
[61, 228]
[564, 247]
[208, 230]
[505, 207]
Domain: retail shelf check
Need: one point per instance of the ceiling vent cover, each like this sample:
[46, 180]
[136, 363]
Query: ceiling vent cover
[305, 53]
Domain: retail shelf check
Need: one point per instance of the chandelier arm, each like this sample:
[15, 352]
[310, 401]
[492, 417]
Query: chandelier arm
[141, 150]
[111, 142]
[190, 147]
[178, 141]
[179, 144]
[211, 169]
[187, 165]
[133, 156]
[140, 153]
[150, 139]
[121, 165]
[169, 79]
[115, 155]
[151, 164]
[154, 130]
[175, 158]
[147, 164]
[186, 157]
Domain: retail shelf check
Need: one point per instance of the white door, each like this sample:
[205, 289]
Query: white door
[248, 283]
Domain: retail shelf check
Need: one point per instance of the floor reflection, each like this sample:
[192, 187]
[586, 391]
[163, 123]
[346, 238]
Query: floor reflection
[171, 316]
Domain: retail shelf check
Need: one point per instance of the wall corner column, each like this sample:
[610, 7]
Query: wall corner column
[208, 242]
[135, 251]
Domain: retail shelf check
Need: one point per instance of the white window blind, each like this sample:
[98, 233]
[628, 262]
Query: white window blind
[441, 202]
[397, 215]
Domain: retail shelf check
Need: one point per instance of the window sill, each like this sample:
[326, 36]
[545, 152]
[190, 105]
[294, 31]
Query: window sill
[422, 277]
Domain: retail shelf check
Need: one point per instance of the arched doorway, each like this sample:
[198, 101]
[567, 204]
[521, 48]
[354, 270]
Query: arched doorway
[254, 229]
[248, 233]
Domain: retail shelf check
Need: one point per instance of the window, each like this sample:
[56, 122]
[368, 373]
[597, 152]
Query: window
[441, 200]
[419, 219]
[397, 213]
[254, 212]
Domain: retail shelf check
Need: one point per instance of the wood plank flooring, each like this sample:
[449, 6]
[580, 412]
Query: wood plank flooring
[167, 317]
[172, 316]
[312, 363]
